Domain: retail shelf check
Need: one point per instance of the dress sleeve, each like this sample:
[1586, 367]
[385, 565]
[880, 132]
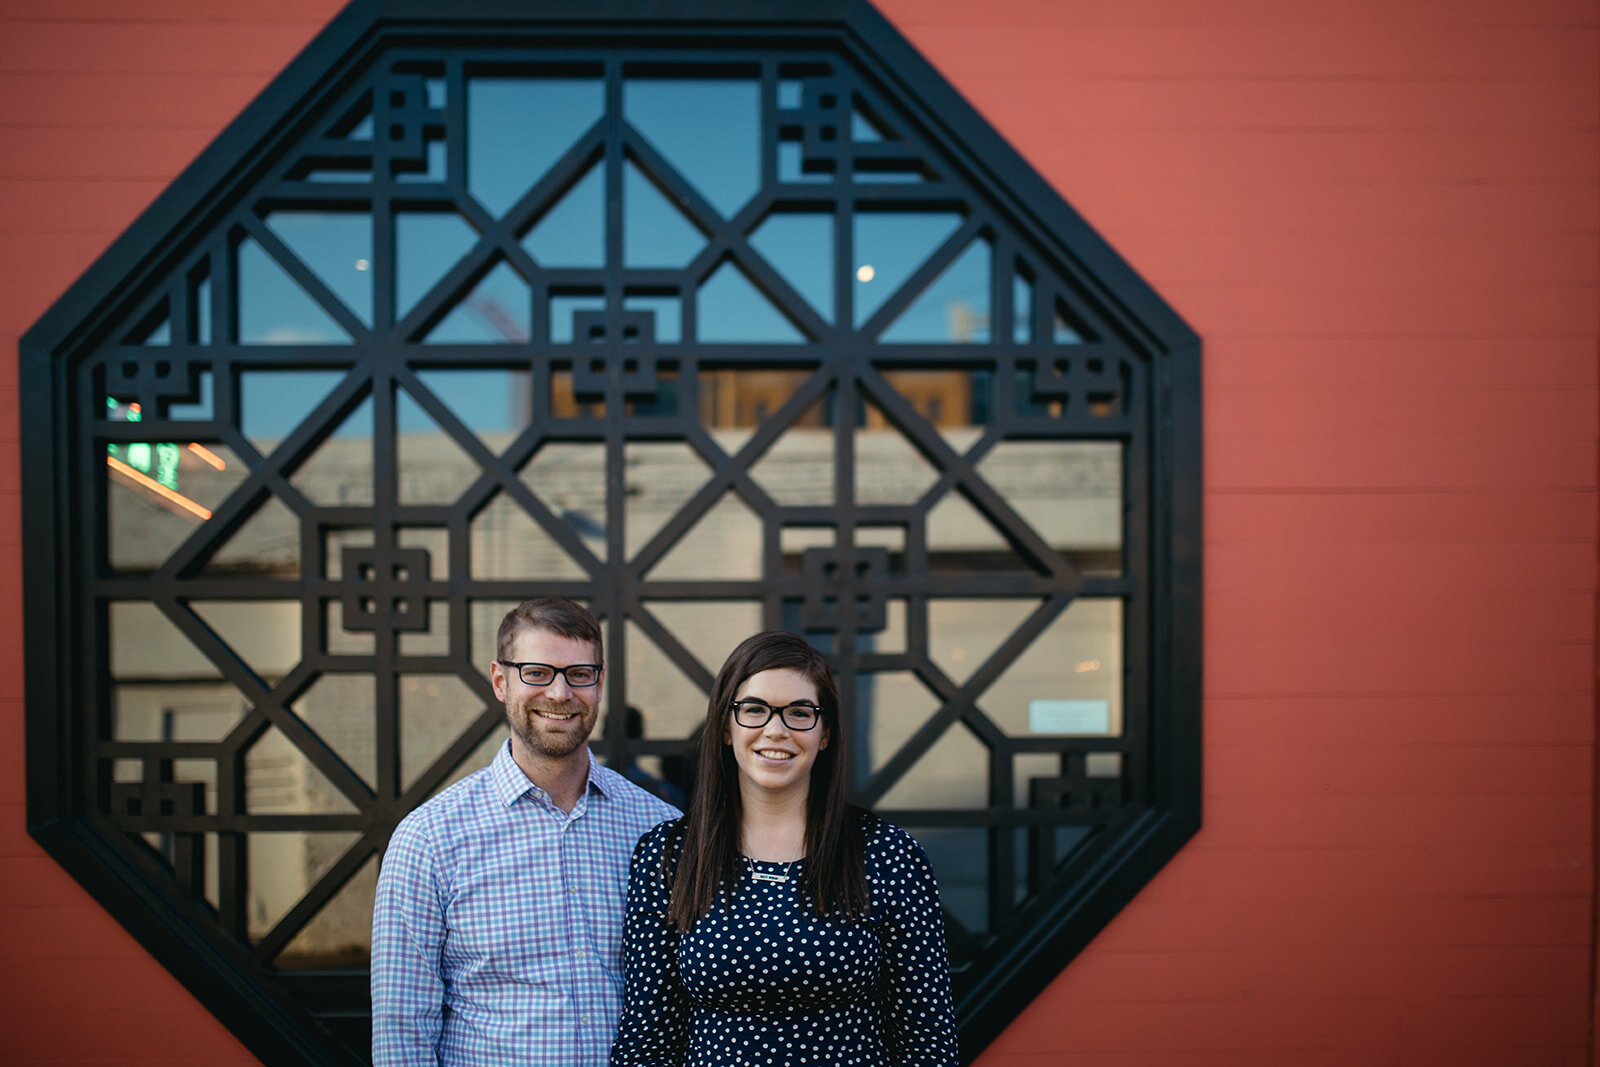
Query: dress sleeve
[654, 1028]
[408, 932]
[918, 1015]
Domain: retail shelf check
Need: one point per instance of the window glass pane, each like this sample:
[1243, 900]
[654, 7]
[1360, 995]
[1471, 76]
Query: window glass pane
[889, 247]
[427, 245]
[572, 233]
[274, 309]
[954, 309]
[517, 128]
[1069, 493]
[1068, 682]
[728, 308]
[800, 247]
[337, 246]
[707, 130]
[654, 232]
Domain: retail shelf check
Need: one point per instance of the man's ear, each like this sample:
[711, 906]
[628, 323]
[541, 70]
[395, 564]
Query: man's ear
[497, 678]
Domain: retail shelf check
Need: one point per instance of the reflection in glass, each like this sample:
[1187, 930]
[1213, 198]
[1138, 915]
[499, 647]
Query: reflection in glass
[341, 708]
[280, 780]
[1068, 682]
[426, 246]
[340, 935]
[1066, 329]
[670, 705]
[282, 867]
[797, 470]
[961, 858]
[267, 544]
[728, 308]
[339, 471]
[952, 310]
[506, 543]
[709, 629]
[273, 403]
[337, 247]
[158, 494]
[1069, 492]
[890, 707]
[431, 467]
[889, 247]
[660, 477]
[494, 403]
[572, 233]
[707, 130]
[571, 481]
[263, 633]
[889, 469]
[952, 774]
[723, 545]
[498, 310]
[800, 248]
[434, 710]
[517, 128]
[962, 539]
[654, 232]
[963, 633]
[274, 309]
[1021, 308]
[197, 708]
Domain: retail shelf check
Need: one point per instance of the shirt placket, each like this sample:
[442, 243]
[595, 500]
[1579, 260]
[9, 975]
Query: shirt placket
[585, 1009]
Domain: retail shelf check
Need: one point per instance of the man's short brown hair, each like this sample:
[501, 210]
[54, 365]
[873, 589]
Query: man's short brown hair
[552, 614]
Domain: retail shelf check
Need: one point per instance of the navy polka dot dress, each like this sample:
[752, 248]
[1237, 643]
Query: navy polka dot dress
[767, 983]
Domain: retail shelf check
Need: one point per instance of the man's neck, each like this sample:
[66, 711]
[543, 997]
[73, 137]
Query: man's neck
[564, 778]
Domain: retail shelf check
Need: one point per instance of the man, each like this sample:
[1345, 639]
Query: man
[497, 930]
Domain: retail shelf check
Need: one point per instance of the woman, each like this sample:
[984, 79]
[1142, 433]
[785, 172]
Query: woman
[774, 923]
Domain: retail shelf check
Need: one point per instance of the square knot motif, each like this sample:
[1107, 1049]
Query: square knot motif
[845, 587]
[385, 589]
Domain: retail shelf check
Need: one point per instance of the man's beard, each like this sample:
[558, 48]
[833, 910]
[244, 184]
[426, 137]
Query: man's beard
[530, 729]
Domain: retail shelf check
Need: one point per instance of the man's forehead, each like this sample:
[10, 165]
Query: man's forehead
[545, 646]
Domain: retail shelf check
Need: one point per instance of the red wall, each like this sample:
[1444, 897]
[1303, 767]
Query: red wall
[1384, 220]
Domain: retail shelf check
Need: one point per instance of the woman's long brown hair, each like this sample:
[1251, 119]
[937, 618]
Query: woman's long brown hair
[834, 874]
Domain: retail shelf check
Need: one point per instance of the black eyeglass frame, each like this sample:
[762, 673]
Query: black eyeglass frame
[598, 669]
[778, 711]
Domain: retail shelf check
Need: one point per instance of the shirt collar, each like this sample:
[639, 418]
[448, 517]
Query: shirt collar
[510, 783]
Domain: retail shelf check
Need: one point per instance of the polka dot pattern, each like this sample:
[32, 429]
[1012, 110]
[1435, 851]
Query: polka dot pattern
[763, 980]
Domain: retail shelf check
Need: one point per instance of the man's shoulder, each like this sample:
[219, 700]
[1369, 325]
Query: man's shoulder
[458, 802]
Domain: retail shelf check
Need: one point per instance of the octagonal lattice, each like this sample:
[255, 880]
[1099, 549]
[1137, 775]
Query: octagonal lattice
[717, 323]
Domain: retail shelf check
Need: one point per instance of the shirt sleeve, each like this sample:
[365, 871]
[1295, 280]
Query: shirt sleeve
[654, 1028]
[408, 932]
[917, 1011]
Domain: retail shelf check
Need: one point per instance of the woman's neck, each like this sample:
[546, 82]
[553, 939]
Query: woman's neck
[773, 828]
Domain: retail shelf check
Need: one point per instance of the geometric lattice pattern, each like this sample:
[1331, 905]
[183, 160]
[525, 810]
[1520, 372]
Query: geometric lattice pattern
[721, 332]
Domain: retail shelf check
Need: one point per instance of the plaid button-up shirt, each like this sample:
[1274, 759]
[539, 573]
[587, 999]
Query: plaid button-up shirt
[497, 930]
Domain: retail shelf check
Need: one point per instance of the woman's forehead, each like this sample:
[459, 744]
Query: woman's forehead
[781, 685]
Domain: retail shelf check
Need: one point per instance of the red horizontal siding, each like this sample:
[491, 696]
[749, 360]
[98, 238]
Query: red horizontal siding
[1384, 219]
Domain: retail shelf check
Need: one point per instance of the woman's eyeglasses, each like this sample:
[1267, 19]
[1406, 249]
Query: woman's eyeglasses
[753, 714]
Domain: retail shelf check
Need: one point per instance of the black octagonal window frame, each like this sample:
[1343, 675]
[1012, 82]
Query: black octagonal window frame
[1132, 368]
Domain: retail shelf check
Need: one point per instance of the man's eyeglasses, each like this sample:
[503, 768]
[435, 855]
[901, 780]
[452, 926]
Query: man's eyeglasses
[753, 714]
[578, 675]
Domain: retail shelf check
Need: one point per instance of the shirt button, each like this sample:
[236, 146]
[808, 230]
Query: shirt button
[580, 953]
[584, 1020]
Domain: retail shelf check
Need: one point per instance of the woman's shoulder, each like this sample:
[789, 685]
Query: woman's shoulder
[885, 840]
[659, 837]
